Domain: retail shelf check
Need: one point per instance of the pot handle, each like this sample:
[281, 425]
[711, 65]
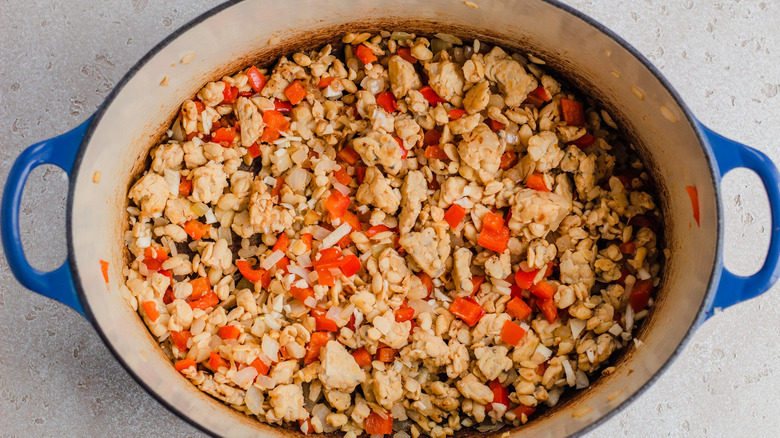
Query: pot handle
[60, 151]
[729, 154]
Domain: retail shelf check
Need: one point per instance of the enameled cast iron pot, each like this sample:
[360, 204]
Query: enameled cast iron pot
[678, 150]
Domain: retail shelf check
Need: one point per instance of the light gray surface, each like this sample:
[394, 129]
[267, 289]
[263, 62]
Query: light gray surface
[58, 62]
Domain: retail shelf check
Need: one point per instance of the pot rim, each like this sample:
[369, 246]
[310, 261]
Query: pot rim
[701, 316]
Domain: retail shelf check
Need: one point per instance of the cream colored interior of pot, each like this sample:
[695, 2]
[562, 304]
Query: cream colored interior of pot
[260, 31]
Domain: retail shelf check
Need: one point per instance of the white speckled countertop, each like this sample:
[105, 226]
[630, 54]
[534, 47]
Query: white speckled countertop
[58, 60]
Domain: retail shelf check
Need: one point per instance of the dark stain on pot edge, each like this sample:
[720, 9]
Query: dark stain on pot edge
[314, 39]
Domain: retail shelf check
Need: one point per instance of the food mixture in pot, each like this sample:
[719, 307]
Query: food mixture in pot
[409, 236]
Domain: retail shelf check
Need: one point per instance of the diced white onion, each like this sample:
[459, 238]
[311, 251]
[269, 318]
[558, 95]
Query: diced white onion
[524, 325]
[310, 301]
[629, 318]
[321, 412]
[318, 148]
[331, 93]
[337, 234]
[420, 306]
[341, 188]
[591, 355]
[334, 313]
[299, 271]
[254, 399]
[577, 326]
[301, 284]
[581, 379]
[638, 343]
[270, 347]
[570, 379]
[172, 178]
[265, 381]
[313, 276]
[320, 233]
[544, 351]
[210, 218]
[297, 179]
[272, 259]
[144, 242]
[304, 260]
[615, 329]
[245, 376]
[265, 359]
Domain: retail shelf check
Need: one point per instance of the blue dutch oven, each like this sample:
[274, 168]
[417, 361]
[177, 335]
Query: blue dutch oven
[678, 149]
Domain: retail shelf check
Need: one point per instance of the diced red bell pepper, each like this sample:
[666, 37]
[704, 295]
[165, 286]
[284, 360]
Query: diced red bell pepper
[150, 307]
[360, 174]
[508, 160]
[349, 155]
[628, 247]
[104, 270]
[431, 96]
[406, 54]
[477, 283]
[400, 142]
[229, 94]
[404, 314]
[547, 306]
[185, 187]
[512, 333]
[387, 101]
[317, 341]
[457, 113]
[307, 239]
[539, 96]
[694, 195]
[431, 138]
[584, 141]
[269, 135]
[300, 294]
[253, 151]
[282, 106]
[184, 364]
[282, 243]
[224, 135]
[256, 79]
[351, 265]
[376, 424]
[524, 410]
[640, 294]
[254, 275]
[325, 278]
[295, 92]
[436, 152]
[364, 54]
[536, 181]
[376, 229]
[276, 192]
[454, 215]
[275, 120]
[386, 354]
[362, 357]
[199, 106]
[518, 309]
[229, 332]
[525, 280]
[196, 229]
[542, 290]
[260, 366]
[328, 258]
[180, 339]
[496, 125]
[216, 361]
[342, 176]
[494, 234]
[322, 322]
[500, 394]
[572, 111]
[467, 309]
[325, 82]
[336, 204]
[427, 281]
